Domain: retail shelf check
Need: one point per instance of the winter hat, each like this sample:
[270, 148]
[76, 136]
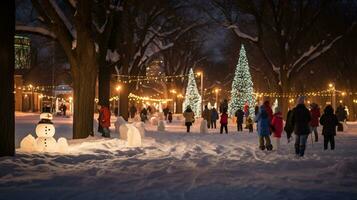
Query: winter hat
[301, 100]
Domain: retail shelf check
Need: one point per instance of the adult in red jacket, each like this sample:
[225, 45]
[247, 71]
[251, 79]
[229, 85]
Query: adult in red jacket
[314, 123]
[104, 120]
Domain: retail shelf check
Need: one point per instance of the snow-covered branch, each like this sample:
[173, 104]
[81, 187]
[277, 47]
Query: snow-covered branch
[35, 30]
[311, 54]
[64, 19]
[240, 34]
[101, 29]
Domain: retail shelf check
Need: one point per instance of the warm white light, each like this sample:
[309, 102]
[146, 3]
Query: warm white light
[330, 85]
[118, 88]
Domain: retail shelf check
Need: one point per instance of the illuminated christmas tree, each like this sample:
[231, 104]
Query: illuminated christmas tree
[192, 97]
[242, 86]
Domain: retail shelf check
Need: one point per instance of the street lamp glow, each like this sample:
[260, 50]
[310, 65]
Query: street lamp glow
[199, 73]
[330, 85]
[118, 88]
[216, 90]
[343, 93]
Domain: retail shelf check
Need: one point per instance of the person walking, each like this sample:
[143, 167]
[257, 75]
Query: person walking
[268, 109]
[240, 116]
[104, 120]
[223, 106]
[341, 113]
[301, 118]
[144, 115]
[263, 126]
[329, 122]
[132, 111]
[214, 118]
[189, 118]
[315, 115]
[224, 121]
[289, 125]
[166, 112]
[64, 110]
[206, 115]
[277, 125]
[169, 117]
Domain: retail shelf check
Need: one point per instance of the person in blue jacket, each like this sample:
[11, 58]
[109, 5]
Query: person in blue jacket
[263, 126]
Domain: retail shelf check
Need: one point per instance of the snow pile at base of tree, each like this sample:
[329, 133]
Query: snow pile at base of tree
[203, 127]
[180, 165]
[161, 126]
[154, 121]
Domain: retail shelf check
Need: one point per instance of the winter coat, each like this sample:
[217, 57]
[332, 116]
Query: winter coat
[104, 117]
[189, 116]
[246, 110]
[315, 115]
[329, 122]
[269, 111]
[224, 118]
[206, 114]
[214, 115]
[240, 115]
[301, 119]
[277, 124]
[166, 111]
[341, 113]
[223, 106]
[263, 122]
[133, 111]
[289, 125]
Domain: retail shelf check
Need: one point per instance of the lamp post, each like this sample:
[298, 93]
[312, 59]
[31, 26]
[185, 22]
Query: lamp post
[173, 91]
[201, 75]
[217, 91]
[118, 88]
[32, 99]
[333, 98]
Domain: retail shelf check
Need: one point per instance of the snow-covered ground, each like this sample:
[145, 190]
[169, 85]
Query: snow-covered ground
[177, 165]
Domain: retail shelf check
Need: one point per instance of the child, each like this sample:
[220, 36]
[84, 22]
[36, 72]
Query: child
[250, 124]
[277, 127]
[169, 117]
[329, 122]
[240, 115]
[224, 121]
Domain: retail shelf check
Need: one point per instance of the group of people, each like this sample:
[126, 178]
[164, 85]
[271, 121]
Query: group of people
[63, 109]
[300, 120]
[303, 121]
[210, 115]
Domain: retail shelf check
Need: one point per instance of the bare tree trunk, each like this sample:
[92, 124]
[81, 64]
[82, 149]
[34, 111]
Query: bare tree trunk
[7, 60]
[84, 94]
[104, 84]
[124, 102]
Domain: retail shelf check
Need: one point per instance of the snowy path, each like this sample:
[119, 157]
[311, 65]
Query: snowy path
[177, 165]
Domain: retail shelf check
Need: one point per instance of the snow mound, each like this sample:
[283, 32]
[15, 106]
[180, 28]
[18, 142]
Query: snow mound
[161, 126]
[141, 127]
[28, 144]
[203, 127]
[62, 145]
[123, 131]
[154, 121]
[133, 136]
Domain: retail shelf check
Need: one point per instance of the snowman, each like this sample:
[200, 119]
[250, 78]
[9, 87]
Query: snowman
[45, 132]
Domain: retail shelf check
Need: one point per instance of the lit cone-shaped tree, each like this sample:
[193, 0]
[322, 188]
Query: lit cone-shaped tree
[242, 86]
[192, 97]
